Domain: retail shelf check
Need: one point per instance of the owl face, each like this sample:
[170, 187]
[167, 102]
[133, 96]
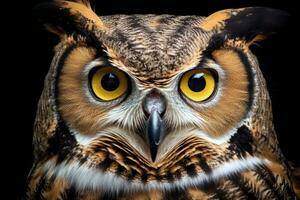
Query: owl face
[151, 96]
[152, 101]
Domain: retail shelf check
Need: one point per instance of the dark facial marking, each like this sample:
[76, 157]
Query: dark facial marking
[106, 163]
[250, 76]
[120, 170]
[62, 142]
[144, 177]
[133, 173]
[169, 177]
[191, 170]
[204, 166]
[241, 142]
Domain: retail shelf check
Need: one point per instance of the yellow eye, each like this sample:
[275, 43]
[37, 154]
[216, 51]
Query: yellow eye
[108, 83]
[198, 85]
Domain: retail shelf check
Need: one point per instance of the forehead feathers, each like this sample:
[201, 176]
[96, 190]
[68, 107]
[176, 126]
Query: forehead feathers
[154, 47]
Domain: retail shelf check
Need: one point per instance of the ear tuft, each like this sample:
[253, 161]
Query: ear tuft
[65, 17]
[250, 24]
[86, 3]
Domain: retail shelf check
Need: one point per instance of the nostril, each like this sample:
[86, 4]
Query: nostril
[146, 112]
[162, 111]
[154, 100]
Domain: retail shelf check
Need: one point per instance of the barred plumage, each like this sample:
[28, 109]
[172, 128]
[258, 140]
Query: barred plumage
[156, 107]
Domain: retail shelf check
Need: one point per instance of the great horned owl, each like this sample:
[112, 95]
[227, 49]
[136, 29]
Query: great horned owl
[156, 107]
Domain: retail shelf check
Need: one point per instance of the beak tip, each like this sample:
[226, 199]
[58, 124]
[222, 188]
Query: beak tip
[153, 155]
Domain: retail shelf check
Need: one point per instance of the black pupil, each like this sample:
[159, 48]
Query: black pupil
[197, 82]
[110, 82]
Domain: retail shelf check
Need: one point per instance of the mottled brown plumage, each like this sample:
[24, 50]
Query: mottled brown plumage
[223, 147]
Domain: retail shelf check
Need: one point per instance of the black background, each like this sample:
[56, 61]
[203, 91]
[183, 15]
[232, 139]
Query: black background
[277, 57]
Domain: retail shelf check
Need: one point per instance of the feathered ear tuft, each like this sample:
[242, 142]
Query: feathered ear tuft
[66, 17]
[87, 3]
[250, 24]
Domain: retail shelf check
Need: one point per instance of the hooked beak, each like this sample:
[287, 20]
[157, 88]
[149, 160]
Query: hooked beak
[154, 107]
[154, 132]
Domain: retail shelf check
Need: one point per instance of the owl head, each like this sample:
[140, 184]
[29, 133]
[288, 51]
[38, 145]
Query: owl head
[154, 101]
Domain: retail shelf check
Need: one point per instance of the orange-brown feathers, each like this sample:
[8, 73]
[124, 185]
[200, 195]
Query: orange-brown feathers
[83, 9]
[216, 20]
[79, 137]
[67, 17]
[76, 109]
[232, 104]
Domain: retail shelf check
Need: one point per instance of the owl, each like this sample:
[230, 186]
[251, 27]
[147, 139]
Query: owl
[157, 107]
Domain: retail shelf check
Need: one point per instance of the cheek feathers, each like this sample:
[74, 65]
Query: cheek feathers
[234, 97]
[74, 106]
